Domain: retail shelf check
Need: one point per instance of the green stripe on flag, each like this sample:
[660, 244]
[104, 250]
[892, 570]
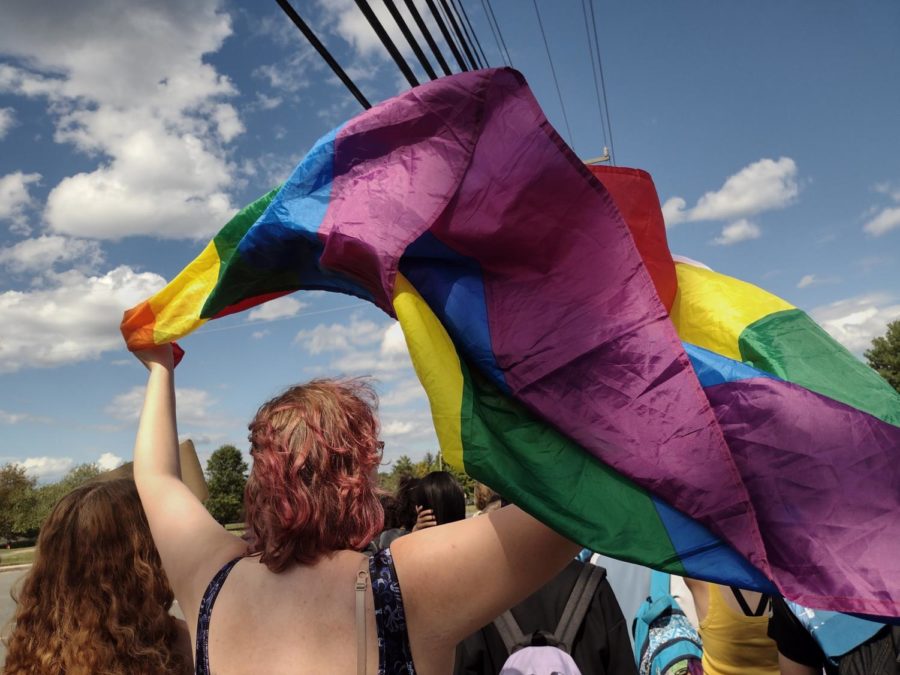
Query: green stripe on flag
[552, 478]
[792, 346]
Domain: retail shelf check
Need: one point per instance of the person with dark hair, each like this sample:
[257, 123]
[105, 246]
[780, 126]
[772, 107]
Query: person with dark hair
[96, 599]
[439, 499]
[293, 596]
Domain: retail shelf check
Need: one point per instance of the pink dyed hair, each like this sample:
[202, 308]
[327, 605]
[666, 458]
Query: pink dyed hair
[312, 489]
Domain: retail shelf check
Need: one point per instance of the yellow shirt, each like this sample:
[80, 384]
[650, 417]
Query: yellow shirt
[733, 643]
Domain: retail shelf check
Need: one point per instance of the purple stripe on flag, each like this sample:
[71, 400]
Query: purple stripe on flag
[396, 167]
[576, 324]
[830, 517]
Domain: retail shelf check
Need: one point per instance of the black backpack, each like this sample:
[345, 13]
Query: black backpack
[878, 656]
[572, 617]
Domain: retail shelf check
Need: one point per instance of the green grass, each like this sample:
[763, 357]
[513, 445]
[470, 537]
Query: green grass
[16, 556]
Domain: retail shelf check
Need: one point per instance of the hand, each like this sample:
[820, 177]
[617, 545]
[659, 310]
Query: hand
[161, 355]
[424, 518]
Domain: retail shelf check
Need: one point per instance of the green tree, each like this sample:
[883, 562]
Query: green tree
[17, 501]
[404, 466]
[884, 355]
[46, 496]
[226, 477]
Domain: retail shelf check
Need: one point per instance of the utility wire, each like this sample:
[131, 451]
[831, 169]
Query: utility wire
[449, 40]
[612, 148]
[470, 31]
[323, 52]
[594, 71]
[473, 62]
[423, 29]
[499, 32]
[494, 33]
[387, 42]
[413, 43]
[553, 71]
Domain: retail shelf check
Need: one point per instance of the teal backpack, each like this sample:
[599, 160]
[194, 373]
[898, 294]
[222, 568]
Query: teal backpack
[665, 642]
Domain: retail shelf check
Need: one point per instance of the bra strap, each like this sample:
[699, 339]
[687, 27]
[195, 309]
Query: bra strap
[361, 577]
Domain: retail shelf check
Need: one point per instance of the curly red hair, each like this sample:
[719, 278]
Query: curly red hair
[312, 489]
[96, 599]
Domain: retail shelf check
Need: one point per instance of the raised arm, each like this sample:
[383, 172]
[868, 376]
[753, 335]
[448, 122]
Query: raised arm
[458, 577]
[191, 544]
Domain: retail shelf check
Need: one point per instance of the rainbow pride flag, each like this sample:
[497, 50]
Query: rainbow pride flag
[647, 407]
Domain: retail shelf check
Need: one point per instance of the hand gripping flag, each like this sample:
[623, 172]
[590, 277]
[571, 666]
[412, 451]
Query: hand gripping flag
[650, 409]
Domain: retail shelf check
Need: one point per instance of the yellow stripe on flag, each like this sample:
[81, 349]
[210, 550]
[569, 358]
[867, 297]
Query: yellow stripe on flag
[711, 310]
[437, 364]
[177, 307]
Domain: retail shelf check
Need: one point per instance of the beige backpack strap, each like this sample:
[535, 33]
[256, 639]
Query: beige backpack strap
[361, 581]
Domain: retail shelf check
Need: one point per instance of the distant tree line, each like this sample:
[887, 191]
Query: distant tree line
[403, 466]
[24, 504]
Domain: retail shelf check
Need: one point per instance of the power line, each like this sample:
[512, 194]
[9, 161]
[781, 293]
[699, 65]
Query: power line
[470, 32]
[413, 43]
[499, 32]
[449, 40]
[612, 148]
[494, 33]
[387, 42]
[553, 71]
[323, 52]
[423, 29]
[473, 62]
[594, 71]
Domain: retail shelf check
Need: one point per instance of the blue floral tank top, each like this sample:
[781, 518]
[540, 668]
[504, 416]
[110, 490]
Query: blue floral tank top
[394, 653]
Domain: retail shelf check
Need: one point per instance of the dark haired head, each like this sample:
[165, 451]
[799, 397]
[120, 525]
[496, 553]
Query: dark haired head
[406, 502]
[442, 493]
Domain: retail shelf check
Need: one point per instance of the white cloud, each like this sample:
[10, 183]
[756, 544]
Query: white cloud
[886, 188]
[346, 20]
[133, 89]
[193, 406]
[338, 337]
[397, 428]
[403, 393]
[807, 280]
[44, 468]
[42, 253]
[7, 121]
[74, 320]
[762, 186]
[742, 230]
[259, 334]
[279, 308]
[15, 198]
[854, 322]
[108, 461]
[393, 341]
[7, 417]
[888, 219]
[404, 427]
[674, 211]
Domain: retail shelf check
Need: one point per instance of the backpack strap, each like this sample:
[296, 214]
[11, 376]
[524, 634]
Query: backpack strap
[512, 636]
[580, 598]
[660, 583]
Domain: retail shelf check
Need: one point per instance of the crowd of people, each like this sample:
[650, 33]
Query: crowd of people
[334, 576]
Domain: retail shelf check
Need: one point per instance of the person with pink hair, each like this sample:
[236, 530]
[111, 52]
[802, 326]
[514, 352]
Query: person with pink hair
[297, 592]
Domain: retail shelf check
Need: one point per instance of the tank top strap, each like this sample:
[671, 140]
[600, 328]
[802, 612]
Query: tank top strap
[394, 652]
[201, 658]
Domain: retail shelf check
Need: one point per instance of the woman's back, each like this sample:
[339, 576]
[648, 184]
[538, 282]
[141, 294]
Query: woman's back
[311, 504]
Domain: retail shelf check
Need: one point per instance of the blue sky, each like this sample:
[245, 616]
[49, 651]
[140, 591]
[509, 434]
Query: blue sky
[129, 134]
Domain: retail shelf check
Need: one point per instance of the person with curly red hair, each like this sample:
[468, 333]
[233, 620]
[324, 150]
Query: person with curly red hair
[96, 600]
[296, 594]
